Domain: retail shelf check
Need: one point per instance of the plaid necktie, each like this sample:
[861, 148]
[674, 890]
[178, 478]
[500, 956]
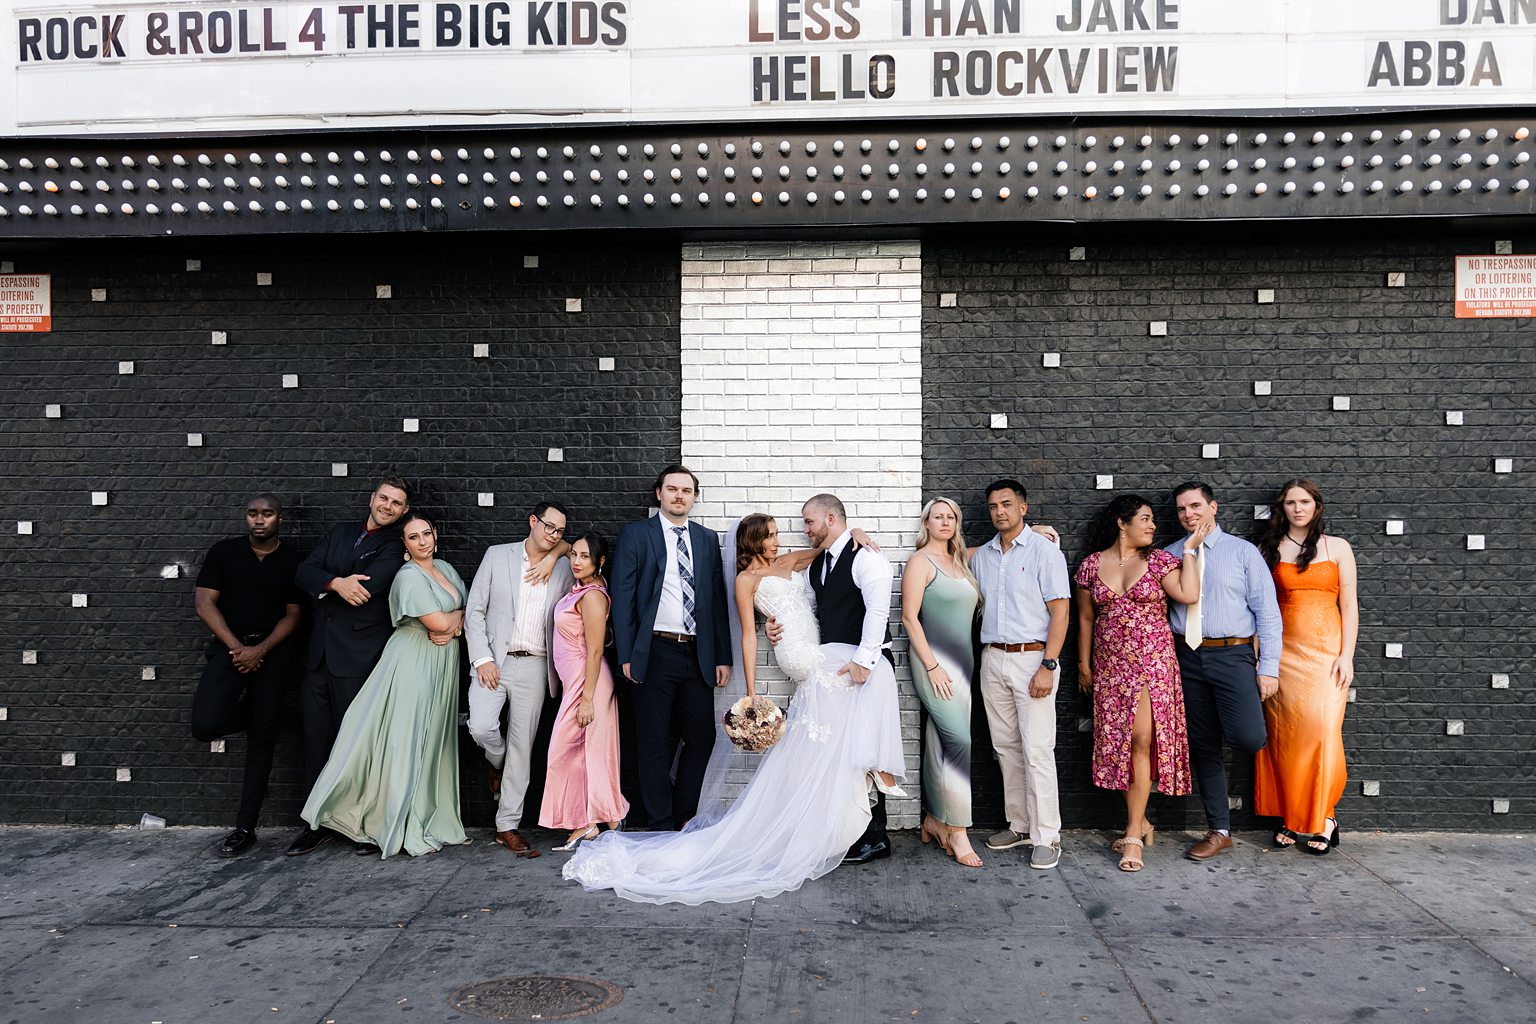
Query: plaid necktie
[685, 576]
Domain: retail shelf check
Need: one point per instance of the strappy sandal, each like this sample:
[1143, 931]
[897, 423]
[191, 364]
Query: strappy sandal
[1287, 834]
[1146, 839]
[1130, 853]
[1329, 840]
[968, 859]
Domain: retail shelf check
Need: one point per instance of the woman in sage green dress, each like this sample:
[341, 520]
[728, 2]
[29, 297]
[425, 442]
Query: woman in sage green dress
[392, 781]
[938, 605]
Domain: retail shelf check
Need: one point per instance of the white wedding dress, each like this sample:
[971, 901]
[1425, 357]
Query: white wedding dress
[803, 808]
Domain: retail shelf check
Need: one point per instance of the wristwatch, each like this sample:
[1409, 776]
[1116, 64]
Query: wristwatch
[1049, 663]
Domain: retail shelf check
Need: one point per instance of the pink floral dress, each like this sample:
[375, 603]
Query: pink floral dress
[1132, 651]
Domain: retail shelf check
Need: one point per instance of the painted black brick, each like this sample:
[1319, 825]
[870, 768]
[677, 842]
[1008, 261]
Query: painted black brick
[364, 365]
[1140, 407]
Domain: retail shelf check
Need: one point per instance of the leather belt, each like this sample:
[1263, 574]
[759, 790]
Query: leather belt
[1222, 641]
[523, 654]
[677, 638]
[1038, 645]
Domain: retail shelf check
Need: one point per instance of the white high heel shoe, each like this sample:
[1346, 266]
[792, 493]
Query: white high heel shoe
[888, 788]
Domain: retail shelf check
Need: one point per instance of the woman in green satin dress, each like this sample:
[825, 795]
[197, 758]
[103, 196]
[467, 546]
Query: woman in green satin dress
[939, 597]
[392, 781]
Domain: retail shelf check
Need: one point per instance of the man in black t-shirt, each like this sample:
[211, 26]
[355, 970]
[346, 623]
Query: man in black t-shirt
[246, 598]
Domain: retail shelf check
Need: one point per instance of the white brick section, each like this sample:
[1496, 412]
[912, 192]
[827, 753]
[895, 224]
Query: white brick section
[802, 372]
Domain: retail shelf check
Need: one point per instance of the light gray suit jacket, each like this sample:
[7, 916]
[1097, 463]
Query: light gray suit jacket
[491, 609]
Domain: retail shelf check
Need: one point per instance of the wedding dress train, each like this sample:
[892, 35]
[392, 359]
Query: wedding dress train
[804, 806]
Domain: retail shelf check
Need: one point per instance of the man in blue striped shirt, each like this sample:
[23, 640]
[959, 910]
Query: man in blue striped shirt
[1225, 676]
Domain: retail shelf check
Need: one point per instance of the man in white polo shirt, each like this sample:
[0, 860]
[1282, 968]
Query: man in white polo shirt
[1026, 595]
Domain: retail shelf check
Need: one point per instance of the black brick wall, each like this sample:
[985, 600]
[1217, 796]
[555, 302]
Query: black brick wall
[1140, 407]
[364, 365]
[1122, 402]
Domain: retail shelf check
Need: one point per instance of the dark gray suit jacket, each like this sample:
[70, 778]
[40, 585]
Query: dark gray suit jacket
[348, 639]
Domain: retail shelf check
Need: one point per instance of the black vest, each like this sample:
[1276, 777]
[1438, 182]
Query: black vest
[839, 602]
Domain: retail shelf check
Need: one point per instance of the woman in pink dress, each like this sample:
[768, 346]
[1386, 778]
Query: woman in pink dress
[582, 788]
[1126, 660]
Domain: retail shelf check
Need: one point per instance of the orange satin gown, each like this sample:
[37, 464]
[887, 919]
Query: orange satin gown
[1300, 773]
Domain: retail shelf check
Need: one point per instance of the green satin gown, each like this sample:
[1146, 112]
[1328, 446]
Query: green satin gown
[393, 775]
[948, 609]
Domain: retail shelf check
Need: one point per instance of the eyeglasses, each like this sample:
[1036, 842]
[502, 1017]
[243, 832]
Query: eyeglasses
[551, 528]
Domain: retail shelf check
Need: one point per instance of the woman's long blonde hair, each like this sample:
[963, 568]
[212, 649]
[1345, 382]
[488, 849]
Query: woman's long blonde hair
[956, 546]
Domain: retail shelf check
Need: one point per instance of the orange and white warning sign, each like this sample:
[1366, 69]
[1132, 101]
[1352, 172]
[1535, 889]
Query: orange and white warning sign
[26, 305]
[1495, 286]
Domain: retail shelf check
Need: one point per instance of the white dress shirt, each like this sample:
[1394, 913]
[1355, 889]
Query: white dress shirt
[530, 615]
[532, 604]
[872, 574]
[669, 613]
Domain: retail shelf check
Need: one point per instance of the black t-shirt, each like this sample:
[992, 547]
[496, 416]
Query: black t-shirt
[254, 593]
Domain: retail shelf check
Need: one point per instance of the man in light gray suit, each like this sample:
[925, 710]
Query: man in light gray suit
[507, 622]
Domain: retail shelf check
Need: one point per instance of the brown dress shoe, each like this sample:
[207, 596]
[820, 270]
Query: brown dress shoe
[516, 843]
[493, 777]
[1213, 843]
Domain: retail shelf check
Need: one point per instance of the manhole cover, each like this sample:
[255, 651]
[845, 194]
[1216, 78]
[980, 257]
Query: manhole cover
[536, 997]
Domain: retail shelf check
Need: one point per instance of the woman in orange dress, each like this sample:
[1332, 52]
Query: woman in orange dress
[1300, 773]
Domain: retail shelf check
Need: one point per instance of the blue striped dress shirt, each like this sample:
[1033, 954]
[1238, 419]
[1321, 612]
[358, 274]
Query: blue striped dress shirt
[1237, 597]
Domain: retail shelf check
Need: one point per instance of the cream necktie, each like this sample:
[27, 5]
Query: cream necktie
[1194, 631]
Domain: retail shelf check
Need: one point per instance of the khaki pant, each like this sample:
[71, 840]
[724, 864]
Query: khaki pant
[524, 684]
[1024, 738]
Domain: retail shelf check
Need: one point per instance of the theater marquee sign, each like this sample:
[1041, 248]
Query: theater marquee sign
[188, 65]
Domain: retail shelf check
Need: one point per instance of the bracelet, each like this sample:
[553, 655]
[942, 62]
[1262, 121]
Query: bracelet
[930, 668]
[1188, 552]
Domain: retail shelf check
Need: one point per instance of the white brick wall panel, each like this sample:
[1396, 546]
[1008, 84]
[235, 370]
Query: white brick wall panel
[839, 328]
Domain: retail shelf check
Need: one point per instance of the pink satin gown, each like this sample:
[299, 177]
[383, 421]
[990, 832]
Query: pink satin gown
[583, 782]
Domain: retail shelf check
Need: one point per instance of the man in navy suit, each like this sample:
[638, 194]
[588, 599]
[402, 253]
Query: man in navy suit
[674, 641]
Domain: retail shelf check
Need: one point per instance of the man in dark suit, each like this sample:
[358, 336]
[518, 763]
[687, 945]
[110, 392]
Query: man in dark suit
[674, 641]
[347, 579]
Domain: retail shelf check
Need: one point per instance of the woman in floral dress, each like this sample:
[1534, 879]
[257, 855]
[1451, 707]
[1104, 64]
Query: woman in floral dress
[1126, 660]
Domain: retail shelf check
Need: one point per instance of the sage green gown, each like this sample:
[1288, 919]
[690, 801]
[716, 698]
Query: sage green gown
[393, 775]
[947, 612]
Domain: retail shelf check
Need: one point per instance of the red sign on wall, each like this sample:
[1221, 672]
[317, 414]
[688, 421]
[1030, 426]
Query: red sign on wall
[1495, 286]
[26, 305]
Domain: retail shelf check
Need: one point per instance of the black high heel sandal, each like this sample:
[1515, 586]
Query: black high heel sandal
[1330, 840]
[1292, 836]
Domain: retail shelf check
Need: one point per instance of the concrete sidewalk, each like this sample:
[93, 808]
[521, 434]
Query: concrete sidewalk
[124, 927]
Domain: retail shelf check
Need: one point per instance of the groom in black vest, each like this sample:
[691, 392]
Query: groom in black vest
[851, 586]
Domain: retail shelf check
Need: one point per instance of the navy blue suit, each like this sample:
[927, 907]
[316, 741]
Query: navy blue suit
[676, 681]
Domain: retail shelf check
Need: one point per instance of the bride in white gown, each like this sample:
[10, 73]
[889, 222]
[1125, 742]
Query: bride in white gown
[808, 800]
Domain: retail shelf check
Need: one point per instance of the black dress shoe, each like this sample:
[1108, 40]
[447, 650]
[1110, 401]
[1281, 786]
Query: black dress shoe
[863, 853]
[308, 839]
[367, 850]
[237, 842]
